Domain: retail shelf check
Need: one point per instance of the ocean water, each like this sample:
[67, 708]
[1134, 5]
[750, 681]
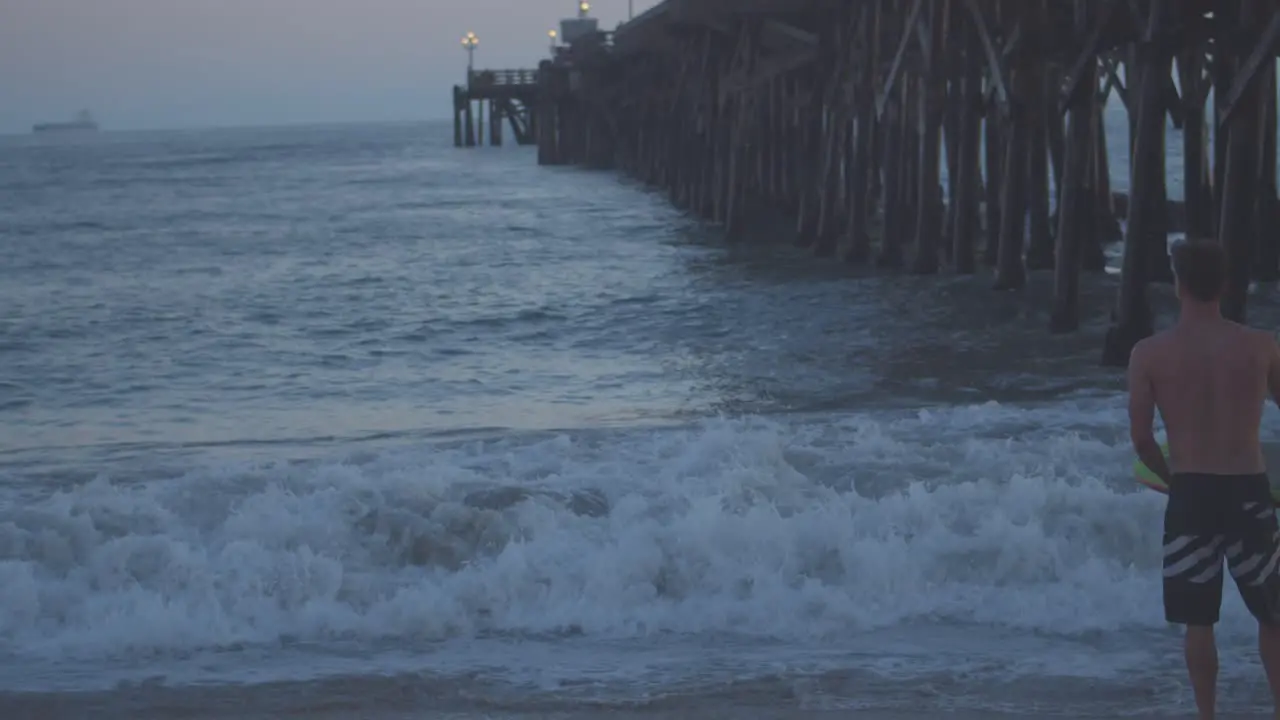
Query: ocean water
[344, 422]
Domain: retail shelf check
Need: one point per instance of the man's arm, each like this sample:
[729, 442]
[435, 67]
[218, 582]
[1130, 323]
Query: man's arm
[1273, 368]
[1142, 414]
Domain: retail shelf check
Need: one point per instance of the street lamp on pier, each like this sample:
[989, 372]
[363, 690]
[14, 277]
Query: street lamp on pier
[469, 43]
[584, 7]
[553, 35]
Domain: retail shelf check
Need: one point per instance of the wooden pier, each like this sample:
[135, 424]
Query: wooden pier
[839, 117]
[509, 94]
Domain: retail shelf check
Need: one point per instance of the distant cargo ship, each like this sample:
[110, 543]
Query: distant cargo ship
[83, 122]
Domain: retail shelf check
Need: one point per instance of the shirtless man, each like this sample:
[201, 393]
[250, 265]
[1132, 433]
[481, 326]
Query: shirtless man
[1210, 377]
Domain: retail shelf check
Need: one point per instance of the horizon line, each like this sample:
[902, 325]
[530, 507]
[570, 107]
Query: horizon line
[246, 126]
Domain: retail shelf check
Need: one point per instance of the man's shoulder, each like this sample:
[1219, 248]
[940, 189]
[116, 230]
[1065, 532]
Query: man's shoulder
[1243, 329]
[1265, 337]
[1152, 343]
[1263, 344]
[1254, 338]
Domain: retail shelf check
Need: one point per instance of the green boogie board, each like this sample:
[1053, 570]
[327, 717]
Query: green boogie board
[1146, 476]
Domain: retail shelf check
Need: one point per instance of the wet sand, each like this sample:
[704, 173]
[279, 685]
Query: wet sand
[68, 711]
[289, 704]
[1242, 694]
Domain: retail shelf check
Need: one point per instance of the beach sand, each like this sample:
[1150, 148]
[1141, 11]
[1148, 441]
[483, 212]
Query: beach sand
[257, 704]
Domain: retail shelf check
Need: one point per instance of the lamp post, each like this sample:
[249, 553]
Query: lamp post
[469, 43]
[553, 35]
[584, 7]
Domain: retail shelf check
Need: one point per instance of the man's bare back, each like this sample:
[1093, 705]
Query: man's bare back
[1209, 379]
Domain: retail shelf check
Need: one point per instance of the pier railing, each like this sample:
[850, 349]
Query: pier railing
[502, 78]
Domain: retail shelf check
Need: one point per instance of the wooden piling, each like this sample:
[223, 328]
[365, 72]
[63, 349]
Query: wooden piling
[931, 93]
[1010, 266]
[1133, 319]
[969, 97]
[1197, 189]
[457, 116]
[1040, 245]
[495, 123]
[1267, 207]
[1241, 118]
[469, 121]
[1077, 195]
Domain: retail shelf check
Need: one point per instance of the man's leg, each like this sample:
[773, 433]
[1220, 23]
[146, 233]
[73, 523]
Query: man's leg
[1269, 649]
[1193, 597]
[1194, 549]
[1254, 560]
[1202, 665]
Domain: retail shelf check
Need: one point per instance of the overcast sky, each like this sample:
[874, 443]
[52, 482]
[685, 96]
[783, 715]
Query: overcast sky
[141, 64]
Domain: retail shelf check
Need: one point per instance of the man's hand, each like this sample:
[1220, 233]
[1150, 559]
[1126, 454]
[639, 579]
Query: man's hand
[1142, 412]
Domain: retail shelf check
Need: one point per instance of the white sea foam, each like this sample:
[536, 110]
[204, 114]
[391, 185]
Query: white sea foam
[801, 529]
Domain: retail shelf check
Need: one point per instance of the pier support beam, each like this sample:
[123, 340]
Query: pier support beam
[1076, 208]
[1242, 119]
[495, 124]
[1133, 318]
